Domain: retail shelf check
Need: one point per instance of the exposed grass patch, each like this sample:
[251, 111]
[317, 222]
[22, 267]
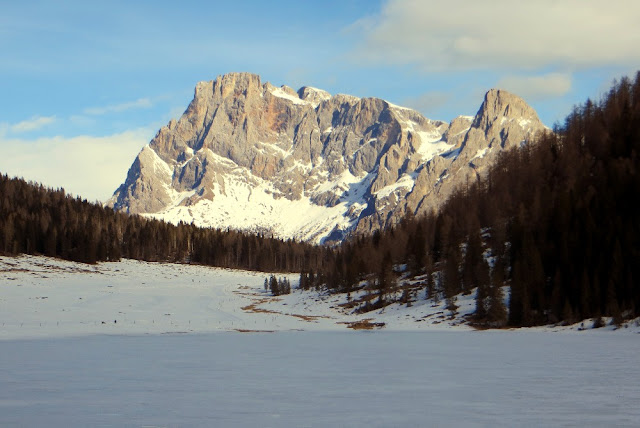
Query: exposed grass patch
[364, 324]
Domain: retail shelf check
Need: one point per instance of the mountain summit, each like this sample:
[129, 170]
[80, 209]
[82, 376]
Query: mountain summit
[308, 165]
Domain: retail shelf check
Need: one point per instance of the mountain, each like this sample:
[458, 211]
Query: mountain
[307, 165]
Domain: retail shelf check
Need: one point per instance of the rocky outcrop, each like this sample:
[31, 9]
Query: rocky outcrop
[307, 165]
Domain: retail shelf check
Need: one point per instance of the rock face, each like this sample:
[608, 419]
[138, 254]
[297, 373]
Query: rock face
[311, 166]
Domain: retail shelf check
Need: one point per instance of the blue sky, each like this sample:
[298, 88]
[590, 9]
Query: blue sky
[84, 85]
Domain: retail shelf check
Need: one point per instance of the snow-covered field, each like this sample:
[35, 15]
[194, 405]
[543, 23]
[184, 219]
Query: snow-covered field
[45, 297]
[61, 366]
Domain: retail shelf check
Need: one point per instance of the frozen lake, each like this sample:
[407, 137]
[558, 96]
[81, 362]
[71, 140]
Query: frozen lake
[323, 379]
[66, 362]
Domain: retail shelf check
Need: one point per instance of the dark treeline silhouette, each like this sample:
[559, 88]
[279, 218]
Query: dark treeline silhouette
[557, 221]
[38, 220]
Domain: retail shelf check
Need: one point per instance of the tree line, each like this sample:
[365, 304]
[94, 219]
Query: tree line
[39, 220]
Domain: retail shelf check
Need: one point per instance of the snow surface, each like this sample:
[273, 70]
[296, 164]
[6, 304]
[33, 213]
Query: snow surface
[524, 123]
[395, 106]
[320, 94]
[278, 92]
[247, 202]
[60, 366]
[480, 153]
[46, 297]
[431, 142]
[432, 145]
[160, 167]
[406, 182]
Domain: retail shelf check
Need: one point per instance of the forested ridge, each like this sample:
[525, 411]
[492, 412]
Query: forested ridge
[554, 222]
[38, 220]
[557, 221]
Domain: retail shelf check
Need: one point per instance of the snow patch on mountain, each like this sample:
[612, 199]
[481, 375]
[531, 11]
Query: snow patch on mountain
[480, 153]
[432, 145]
[256, 207]
[279, 92]
[406, 183]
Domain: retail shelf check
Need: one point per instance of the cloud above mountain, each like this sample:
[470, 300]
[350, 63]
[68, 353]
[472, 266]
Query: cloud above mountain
[84, 165]
[31, 124]
[119, 108]
[537, 86]
[501, 34]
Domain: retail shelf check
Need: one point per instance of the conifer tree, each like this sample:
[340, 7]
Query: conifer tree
[496, 314]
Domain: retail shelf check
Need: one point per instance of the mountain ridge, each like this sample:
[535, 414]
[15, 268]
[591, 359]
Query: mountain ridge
[311, 166]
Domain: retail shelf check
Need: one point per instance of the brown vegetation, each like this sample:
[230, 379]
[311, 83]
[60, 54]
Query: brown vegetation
[364, 324]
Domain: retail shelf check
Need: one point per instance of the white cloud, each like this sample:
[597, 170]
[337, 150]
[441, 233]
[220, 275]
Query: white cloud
[519, 35]
[32, 124]
[118, 108]
[537, 87]
[87, 166]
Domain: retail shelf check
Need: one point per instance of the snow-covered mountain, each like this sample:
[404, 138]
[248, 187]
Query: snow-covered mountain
[308, 165]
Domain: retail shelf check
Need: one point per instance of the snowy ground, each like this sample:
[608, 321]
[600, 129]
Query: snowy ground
[45, 297]
[61, 366]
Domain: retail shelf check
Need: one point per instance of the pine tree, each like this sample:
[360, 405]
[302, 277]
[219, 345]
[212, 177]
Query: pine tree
[386, 283]
[482, 295]
[431, 289]
[451, 306]
[451, 273]
[496, 311]
[273, 286]
[472, 265]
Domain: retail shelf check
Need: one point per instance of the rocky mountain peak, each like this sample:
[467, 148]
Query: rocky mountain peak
[313, 95]
[503, 120]
[234, 83]
[308, 165]
[502, 106]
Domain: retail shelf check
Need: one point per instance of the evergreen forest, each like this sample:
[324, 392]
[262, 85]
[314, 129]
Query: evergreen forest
[38, 220]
